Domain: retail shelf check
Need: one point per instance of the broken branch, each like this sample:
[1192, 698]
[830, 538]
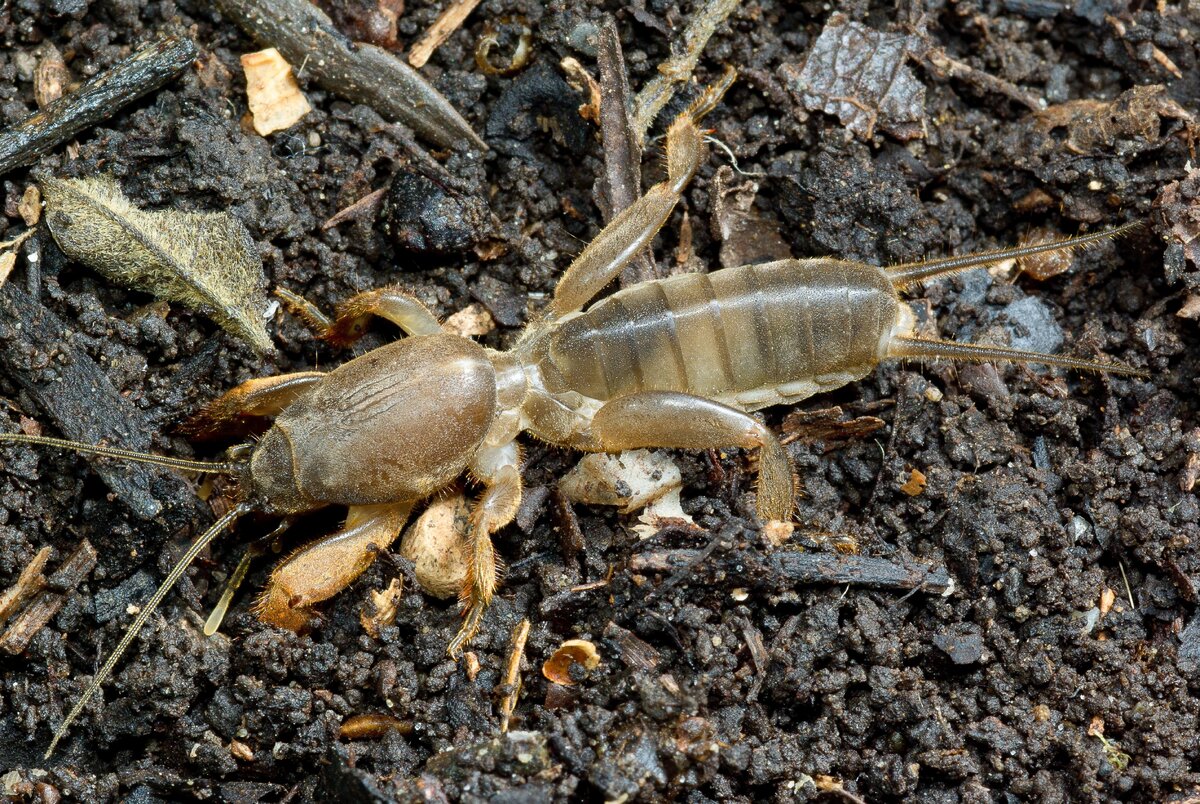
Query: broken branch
[143, 72]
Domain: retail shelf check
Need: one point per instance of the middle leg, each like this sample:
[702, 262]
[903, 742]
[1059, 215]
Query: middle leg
[499, 468]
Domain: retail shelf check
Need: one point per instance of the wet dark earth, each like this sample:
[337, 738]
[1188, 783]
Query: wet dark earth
[1047, 643]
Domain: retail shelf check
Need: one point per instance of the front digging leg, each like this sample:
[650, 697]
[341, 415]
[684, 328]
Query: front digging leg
[320, 570]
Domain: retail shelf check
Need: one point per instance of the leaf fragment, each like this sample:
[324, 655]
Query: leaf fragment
[861, 76]
[206, 261]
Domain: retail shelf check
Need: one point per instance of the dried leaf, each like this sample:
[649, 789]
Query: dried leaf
[1178, 206]
[860, 75]
[1094, 125]
[8, 254]
[204, 260]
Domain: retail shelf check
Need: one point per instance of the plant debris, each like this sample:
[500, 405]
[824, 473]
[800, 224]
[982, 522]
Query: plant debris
[632, 480]
[361, 72]
[206, 261]
[448, 22]
[677, 70]
[98, 99]
[1092, 125]
[915, 483]
[276, 102]
[862, 77]
[570, 653]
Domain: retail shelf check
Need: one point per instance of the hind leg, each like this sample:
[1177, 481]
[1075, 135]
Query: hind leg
[672, 419]
[632, 230]
[320, 570]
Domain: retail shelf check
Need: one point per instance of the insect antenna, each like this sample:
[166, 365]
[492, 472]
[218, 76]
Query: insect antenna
[910, 273]
[174, 575]
[202, 541]
[903, 347]
[186, 464]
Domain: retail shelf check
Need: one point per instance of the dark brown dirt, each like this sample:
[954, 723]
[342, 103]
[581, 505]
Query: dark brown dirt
[1044, 489]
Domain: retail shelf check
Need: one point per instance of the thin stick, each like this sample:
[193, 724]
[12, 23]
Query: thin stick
[678, 69]
[143, 616]
[621, 183]
[98, 99]
[512, 673]
[447, 23]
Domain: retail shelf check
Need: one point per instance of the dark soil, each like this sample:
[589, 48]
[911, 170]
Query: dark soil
[1044, 489]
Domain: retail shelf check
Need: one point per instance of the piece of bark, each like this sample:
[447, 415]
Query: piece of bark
[24, 628]
[636, 653]
[356, 71]
[37, 354]
[621, 183]
[29, 583]
[783, 570]
[143, 72]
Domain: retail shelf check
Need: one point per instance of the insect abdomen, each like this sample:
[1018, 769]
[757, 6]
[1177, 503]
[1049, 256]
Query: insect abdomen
[749, 335]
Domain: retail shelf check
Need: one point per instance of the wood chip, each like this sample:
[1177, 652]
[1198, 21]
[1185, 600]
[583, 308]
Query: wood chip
[47, 602]
[372, 726]
[275, 99]
[915, 483]
[29, 583]
[1107, 598]
[447, 23]
[470, 322]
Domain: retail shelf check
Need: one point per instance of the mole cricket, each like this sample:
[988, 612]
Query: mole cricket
[680, 362]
